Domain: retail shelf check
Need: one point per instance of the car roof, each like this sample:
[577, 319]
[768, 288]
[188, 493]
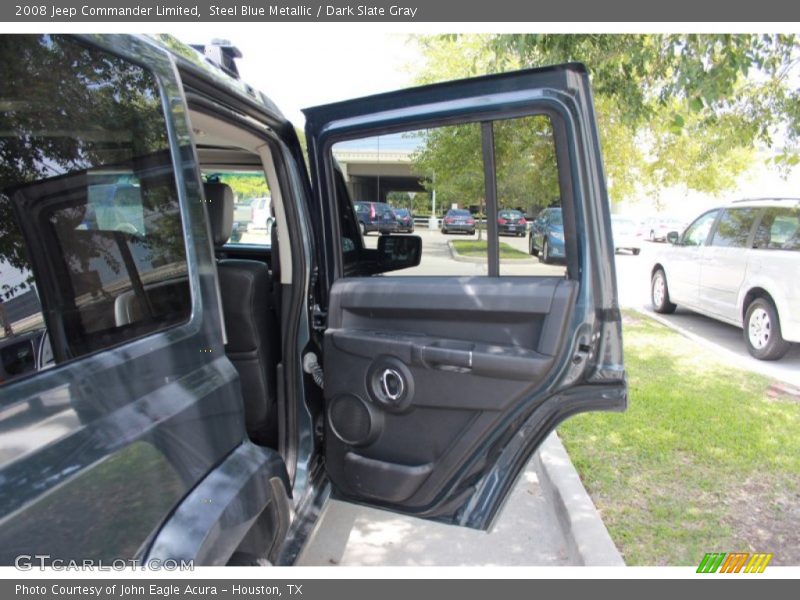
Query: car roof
[759, 202]
[197, 67]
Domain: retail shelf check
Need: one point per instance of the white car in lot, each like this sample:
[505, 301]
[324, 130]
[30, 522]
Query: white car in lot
[740, 264]
[627, 234]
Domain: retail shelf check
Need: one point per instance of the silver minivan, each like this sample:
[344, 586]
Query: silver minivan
[740, 264]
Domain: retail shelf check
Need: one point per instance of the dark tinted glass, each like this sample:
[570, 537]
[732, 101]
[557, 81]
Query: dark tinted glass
[779, 229]
[91, 249]
[17, 358]
[733, 229]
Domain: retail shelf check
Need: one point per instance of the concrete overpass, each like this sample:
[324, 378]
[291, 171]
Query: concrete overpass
[372, 174]
[374, 167]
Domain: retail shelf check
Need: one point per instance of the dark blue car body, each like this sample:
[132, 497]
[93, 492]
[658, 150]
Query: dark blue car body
[546, 238]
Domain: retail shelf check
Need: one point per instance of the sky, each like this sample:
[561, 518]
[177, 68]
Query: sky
[320, 65]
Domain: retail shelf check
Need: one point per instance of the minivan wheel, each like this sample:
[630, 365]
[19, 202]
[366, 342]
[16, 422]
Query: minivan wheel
[762, 331]
[659, 294]
[531, 248]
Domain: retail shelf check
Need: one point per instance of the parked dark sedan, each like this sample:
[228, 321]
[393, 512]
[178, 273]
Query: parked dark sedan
[405, 220]
[458, 220]
[375, 216]
[546, 239]
[511, 222]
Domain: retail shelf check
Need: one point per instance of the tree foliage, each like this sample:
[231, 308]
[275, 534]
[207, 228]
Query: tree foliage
[245, 186]
[681, 109]
[450, 160]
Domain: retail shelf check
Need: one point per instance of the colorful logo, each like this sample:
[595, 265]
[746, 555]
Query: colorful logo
[735, 562]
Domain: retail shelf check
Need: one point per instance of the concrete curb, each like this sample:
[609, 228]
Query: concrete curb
[588, 540]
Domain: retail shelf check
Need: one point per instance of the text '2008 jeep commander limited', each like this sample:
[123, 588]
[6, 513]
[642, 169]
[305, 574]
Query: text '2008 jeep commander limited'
[170, 392]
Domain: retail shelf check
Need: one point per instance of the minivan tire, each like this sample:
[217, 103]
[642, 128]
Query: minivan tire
[762, 331]
[659, 294]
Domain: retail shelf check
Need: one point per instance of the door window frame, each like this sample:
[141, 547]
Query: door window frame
[565, 131]
[158, 64]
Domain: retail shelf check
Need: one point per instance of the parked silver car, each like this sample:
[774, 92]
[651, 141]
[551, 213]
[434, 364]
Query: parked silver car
[739, 264]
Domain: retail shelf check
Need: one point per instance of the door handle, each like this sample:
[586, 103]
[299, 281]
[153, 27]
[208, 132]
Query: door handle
[392, 384]
[436, 356]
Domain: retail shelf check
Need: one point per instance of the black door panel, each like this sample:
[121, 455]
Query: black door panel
[512, 309]
[414, 386]
[438, 389]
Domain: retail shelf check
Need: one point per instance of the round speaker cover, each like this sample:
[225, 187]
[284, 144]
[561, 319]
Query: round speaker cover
[354, 420]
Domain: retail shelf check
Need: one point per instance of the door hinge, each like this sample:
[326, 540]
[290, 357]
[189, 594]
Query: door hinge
[319, 318]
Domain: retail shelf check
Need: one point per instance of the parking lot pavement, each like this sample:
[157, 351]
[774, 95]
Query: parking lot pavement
[633, 281]
[437, 258]
[527, 532]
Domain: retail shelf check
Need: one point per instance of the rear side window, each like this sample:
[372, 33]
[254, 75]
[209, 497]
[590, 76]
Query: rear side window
[734, 227]
[468, 184]
[779, 229]
[92, 251]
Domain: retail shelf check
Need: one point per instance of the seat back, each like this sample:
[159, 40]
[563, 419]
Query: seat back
[246, 290]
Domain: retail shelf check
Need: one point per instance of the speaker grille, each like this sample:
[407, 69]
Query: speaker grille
[351, 419]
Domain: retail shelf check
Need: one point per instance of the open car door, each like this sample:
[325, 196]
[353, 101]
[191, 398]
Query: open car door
[438, 388]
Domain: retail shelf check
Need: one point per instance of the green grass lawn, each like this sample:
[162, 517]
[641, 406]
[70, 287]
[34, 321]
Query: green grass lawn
[478, 248]
[703, 460]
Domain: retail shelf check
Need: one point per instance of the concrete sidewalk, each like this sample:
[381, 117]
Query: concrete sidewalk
[549, 520]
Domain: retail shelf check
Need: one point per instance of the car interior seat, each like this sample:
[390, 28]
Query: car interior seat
[250, 323]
